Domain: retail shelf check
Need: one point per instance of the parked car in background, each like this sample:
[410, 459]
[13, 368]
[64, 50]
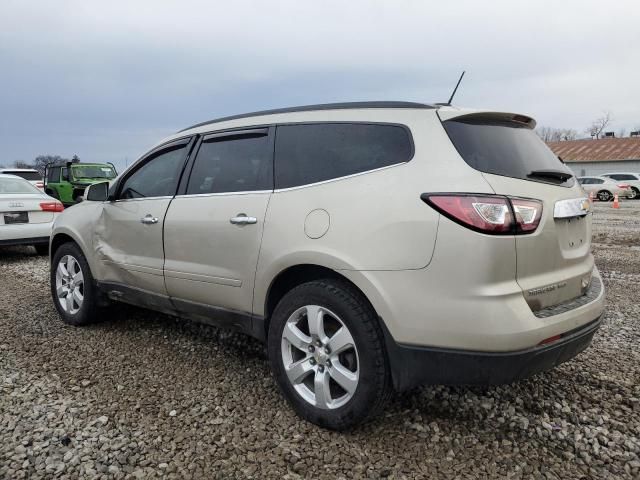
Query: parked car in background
[26, 214]
[67, 182]
[29, 174]
[335, 234]
[632, 179]
[604, 188]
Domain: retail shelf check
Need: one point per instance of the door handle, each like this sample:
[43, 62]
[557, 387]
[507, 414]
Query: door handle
[149, 219]
[242, 219]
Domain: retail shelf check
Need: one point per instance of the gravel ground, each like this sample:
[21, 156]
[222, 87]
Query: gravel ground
[148, 396]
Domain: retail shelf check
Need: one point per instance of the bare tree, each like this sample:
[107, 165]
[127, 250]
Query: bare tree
[599, 124]
[551, 134]
[41, 161]
[22, 164]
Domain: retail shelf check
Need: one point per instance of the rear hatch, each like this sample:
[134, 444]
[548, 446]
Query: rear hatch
[554, 264]
[23, 208]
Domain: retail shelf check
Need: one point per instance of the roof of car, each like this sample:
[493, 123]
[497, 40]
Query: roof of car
[322, 106]
[2, 170]
[8, 175]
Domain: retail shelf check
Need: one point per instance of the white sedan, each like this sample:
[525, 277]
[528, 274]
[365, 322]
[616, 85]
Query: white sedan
[26, 214]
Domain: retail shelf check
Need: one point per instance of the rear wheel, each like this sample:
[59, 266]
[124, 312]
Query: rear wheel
[326, 351]
[74, 293]
[635, 193]
[604, 196]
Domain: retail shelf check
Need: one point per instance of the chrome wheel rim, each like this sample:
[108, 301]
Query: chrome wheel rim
[69, 284]
[320, 357]
[604, 196]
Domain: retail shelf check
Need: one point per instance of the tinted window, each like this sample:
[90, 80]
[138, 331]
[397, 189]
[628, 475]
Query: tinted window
[25, 175]
[16, 186]
[65, 174]
[622, 176]
[232, 164]
[504, 148]
[315, 152]
[583, 181]
[53, 174]
[157, 177]
[93, 171]
[597, 180]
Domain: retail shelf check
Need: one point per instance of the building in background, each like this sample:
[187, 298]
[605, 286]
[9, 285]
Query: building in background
[604, 155]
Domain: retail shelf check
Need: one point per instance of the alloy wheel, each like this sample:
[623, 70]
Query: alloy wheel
[69, 284]
[320, 357]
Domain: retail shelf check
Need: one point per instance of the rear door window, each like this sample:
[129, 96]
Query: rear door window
[233, 162]
[310, 153]
[622, 176]
[506, 148]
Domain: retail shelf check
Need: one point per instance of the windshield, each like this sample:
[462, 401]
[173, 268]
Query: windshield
[16, 186]
[506, 148]
[94, 171]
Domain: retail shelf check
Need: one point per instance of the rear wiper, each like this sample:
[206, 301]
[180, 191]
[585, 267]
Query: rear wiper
[558, 174]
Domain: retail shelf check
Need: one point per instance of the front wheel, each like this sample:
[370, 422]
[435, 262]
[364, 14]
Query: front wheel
[327, 354]
[73, 290]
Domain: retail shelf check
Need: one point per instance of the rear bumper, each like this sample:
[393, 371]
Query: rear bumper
[412, 366]
[25, 233]
[25, 241]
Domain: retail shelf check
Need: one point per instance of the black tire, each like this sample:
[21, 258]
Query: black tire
[42, 249]
[605, 196]
[90, 311]
[636, 194]
[374, 383]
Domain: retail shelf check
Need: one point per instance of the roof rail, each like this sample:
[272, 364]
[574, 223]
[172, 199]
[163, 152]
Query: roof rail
[322, 106]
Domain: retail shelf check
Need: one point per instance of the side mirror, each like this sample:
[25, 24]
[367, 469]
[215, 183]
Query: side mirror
[98, 192]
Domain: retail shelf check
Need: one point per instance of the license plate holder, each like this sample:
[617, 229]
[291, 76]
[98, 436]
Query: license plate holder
[12, 218]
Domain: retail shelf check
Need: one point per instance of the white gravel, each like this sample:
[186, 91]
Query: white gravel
[149, 396]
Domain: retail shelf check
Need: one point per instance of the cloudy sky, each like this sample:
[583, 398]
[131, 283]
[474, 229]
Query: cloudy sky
[105, 80]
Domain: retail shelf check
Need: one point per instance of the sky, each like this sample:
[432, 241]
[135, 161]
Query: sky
[107, 80]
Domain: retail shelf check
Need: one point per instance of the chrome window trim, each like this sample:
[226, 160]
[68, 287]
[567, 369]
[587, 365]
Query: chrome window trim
[337, 179]
[223, 194]
[142, 198]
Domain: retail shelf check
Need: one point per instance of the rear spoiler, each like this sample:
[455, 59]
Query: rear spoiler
[450, 114]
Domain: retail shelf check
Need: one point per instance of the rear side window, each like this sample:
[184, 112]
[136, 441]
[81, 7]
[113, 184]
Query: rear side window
[310, 153]
[622, 176]
[233, 163]
[26, 175]
[505, 148]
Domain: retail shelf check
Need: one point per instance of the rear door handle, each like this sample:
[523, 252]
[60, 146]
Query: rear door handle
[242, 219]
[149, 219]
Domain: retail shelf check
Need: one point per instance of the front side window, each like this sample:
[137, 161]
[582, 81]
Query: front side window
[310, 153]
[64, 174]
[240, 163]
[157, 177]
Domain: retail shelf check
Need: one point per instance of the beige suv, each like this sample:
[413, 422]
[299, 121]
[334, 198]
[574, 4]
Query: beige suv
[373, 246]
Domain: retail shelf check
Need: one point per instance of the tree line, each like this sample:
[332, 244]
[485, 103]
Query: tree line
[41, 161]
[596, 129]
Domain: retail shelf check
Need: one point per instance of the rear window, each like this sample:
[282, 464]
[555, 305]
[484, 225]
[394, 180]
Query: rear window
[310, 153]
[505, 148]
[26, 175]
[16, 186]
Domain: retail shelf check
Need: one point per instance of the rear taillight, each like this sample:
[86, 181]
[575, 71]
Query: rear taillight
[492, 214]
[623, 185]
[51, 206]
[40, 185]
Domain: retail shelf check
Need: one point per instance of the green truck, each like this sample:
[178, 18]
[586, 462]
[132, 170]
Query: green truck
[67, 182]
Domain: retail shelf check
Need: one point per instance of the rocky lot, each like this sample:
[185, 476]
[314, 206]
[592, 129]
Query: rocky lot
[148, 396]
